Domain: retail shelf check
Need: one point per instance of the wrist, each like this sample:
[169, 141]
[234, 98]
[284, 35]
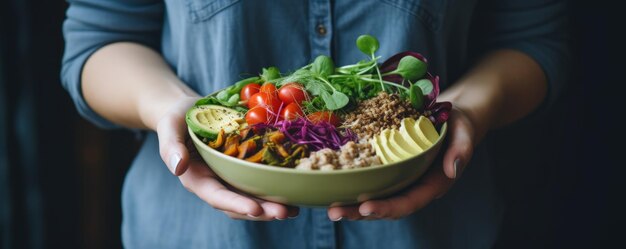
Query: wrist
[480, 101]
[153, 107]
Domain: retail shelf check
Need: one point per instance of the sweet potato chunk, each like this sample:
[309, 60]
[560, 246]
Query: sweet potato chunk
[232, 144]
[219, 141]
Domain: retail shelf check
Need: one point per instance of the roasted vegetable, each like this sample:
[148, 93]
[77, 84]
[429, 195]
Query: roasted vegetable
[232, 144]
[276, 137]
[299, 151]
[282, 151]
[269, 157]
[245, 133]
[219, 141]
[248, 147]
[257, 157]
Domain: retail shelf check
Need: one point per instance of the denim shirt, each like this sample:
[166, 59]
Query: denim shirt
[211, 44]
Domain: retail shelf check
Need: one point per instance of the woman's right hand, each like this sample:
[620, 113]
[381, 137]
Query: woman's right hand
[154, 98]
[183, 161]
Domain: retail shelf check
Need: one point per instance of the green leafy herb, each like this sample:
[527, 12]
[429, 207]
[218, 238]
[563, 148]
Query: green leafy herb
[270, 73]
[323, 66]
[410, 68]
[367, 44]
[416, 97]
[317, 84]
[230, 96]
[233, 100]
[335, 101]
[308, 79]
[236, 88]
[313, 105]
[426, 85]
[316, 87]
[240, 108]
[226, 99]
[211, 100]
[223, 95]
[333, 88]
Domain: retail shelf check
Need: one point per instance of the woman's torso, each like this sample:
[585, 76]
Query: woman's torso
[213, 43]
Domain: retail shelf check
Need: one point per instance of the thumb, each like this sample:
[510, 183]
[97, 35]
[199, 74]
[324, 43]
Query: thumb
[171, 132]
[460, 146]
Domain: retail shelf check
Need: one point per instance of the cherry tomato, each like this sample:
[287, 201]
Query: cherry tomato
[268, 88]
[249, 90]
[259, 115]
[327, 116]
[265, 100]
[291, 112]
[292, 92]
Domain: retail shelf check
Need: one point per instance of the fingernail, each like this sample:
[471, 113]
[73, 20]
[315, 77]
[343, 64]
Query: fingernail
[174, 161]
[278, 218]
[338, 219]
[292, 217]
[370, 214]
[252, 216]
[456, 168]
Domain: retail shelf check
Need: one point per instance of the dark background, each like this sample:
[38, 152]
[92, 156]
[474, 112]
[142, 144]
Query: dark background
[60, 177]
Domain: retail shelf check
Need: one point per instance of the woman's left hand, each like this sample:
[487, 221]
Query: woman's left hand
[434, 184]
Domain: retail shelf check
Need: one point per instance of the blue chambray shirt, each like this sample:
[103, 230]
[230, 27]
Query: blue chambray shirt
[212, 43]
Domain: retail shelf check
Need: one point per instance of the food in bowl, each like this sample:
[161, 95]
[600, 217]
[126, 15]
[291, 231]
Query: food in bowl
[317, 188]
[326, 118]
[350, 155]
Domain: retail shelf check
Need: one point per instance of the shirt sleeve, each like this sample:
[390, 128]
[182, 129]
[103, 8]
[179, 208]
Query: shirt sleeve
[92, 24]
[537, 28]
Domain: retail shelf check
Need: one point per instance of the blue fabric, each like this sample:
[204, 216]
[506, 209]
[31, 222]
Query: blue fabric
[213, 43]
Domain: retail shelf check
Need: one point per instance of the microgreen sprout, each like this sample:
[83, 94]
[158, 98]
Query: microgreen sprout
[410, 68]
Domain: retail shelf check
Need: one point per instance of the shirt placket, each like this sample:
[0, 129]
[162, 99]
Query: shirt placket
[320, 24]
[321, 31]
[323, 230]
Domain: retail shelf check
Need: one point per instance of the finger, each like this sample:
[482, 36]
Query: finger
[274, 210]
[171, 133]
[293, 212]
[344, 213]
[213, 192]
[237, 216]
[433, 184]
[271, 209]
[460, 146]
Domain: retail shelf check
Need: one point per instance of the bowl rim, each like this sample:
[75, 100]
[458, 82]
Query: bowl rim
[196, 140]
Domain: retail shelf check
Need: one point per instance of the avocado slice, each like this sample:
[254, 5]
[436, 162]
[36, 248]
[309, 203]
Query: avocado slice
[379, 150]
[391, 153]
[410, 147]
[395, 152]
[396, 142]
[408, 132]
[208, 120]
[426, 130]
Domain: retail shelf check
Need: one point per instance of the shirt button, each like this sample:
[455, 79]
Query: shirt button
[321, 29]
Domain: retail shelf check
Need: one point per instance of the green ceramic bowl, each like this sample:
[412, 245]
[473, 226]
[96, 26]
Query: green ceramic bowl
[317, 188]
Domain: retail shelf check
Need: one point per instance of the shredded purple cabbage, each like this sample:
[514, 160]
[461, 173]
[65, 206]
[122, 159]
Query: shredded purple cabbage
[315, 136]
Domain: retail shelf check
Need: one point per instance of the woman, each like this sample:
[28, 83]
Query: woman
[140, 64]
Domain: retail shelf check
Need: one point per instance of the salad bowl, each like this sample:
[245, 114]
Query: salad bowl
[324, 135]
[318, 188]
